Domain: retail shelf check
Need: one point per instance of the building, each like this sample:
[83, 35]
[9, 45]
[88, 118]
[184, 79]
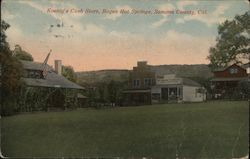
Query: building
[170, 88]
[226, 81]
[146, 87]
[46, 89]
[141, 79]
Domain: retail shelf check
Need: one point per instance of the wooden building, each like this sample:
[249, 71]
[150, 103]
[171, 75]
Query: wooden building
[226, 80]
[141, 79]
[46, 89]
[170, 88]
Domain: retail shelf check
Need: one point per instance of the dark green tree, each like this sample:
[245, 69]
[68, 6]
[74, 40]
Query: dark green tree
[102, 92]
[232, 42]
[112, 91]
[10, 73]
[19, 53]
[69, 73]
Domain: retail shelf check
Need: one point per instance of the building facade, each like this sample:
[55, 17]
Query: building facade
[170, 88]
[226, 81]
[46, 89]
[141, 79]
[146, 87]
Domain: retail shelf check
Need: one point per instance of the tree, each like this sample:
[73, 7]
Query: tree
[244, 89]
[233, 42]
[10, 73]
[69, 73]
[21, 54]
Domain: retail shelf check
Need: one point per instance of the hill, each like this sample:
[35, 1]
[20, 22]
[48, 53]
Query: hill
[190, 71]
[90, 77]
[197, 70]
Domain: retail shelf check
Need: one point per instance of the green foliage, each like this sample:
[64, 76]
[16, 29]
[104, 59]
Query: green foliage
[21, 54]
[244, 89]
[44, 99]
[115, 89]
[112, 91]
[205, 82]
[194, 130]
[105, 94]
[69, 73]
[233, 42]
[4, 46]
[10, 73]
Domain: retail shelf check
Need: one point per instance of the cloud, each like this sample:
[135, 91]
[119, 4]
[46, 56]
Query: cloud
[181, 48]
[180, 21]
[166, 7]
[53, 5]
[93, 29]
[163, 7]
[37, 6]
[7, 15]
[71, 21]
[160, 22]
[14, 35]
[182, 4]
[216, 17]
[114, 16]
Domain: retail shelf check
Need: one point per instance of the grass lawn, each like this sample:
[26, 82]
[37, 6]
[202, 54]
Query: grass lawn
[201, 130]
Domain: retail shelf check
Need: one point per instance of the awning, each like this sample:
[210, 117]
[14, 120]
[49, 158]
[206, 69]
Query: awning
[229, 79]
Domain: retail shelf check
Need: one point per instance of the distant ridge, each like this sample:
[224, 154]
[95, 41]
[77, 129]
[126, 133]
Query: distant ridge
[189, 71]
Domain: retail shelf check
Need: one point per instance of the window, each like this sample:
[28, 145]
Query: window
[233, 70]
[136, 83]
[147, 81]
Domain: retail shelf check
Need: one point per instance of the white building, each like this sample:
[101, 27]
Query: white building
[172, 88]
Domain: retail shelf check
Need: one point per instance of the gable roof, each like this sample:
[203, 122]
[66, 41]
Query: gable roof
[225, 68]
[52, 79]
[173, 80]
[34, 65]
[189, 82]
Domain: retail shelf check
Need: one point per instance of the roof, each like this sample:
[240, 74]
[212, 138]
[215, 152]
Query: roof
[52, 79]
[230, 79]
[189, 82]
[172, 80]
[34, 65]
[137, 91]
[219, 69]
[224, 68]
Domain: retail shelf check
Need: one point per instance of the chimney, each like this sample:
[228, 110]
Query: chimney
[58, 67]
[141, 63]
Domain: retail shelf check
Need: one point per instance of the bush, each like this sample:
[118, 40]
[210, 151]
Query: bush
[8, 108]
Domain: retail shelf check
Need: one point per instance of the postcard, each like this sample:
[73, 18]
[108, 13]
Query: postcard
[125, 79]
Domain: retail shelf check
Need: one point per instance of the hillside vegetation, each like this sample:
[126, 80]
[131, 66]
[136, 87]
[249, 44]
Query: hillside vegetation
[191, 71]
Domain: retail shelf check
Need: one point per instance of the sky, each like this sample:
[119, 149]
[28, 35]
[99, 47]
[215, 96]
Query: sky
[95, 35]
